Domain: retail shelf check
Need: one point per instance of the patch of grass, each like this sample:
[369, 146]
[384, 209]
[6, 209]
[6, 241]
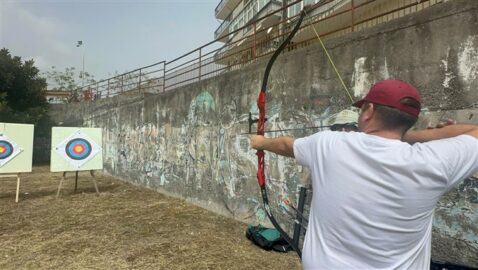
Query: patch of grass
[125, 227]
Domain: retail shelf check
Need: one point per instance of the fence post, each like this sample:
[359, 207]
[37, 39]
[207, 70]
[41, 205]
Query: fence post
[108, 89]
[254, 45]
[164, 77]
[353, 15]
[139, 82]
[121, 89]
[200, 64]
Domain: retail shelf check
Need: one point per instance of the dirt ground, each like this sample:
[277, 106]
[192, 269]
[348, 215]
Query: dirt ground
[125, 227]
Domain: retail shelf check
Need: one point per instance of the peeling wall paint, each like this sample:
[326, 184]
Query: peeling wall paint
[449, 76]
[360, 77]
[468, 61]
[190, 142]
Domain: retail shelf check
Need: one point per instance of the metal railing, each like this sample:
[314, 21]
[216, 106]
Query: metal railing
[249, 43]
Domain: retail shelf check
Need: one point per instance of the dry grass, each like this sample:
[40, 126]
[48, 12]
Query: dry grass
[125, 227]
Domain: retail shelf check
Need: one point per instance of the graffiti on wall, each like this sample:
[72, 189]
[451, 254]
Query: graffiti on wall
[189, 142]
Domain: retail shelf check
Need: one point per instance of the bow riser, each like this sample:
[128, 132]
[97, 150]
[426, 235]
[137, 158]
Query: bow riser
[261, 104]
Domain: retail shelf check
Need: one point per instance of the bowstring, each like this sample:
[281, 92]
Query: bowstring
[329, 57]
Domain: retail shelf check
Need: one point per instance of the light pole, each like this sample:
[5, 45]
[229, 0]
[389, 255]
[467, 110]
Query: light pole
[80, 44]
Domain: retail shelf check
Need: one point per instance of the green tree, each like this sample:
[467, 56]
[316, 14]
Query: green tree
[68, 80]
[22, 90]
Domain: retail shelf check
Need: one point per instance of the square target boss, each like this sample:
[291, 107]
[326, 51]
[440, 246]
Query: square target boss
[76, 149]
[16, 148]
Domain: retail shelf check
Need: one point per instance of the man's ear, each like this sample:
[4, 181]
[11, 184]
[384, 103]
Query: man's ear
[368, 109]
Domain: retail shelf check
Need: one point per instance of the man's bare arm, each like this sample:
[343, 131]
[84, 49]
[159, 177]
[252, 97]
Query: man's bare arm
[413, 136]
[283, 145]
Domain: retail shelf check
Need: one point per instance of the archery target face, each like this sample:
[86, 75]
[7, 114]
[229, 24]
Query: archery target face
[8, 150]
[16, 148]
[78, 150]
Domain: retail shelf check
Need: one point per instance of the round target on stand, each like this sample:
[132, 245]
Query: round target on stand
[6, 149]
[78, 149]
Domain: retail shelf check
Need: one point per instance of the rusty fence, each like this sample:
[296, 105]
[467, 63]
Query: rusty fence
[255, 40]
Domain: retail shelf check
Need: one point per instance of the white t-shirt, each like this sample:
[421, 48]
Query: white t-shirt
[373, 199]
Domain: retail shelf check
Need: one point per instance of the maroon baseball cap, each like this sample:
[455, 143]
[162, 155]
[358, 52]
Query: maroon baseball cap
[390, 93]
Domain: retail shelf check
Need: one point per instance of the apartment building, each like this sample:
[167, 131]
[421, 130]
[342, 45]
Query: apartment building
[240, 26]
[251, 28]
[254, 28]
[57, 97]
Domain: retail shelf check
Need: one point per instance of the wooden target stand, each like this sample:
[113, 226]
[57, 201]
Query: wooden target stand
[18, 182]
[93, 178]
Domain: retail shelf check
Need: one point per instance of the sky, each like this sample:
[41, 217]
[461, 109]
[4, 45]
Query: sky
[117, 36]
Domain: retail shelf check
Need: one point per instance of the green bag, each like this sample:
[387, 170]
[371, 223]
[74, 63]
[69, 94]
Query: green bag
[267, 238]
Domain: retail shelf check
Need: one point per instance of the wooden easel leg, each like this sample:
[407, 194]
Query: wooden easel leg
[18, 187]
[76, 181]
[59, 186]
[94, 181]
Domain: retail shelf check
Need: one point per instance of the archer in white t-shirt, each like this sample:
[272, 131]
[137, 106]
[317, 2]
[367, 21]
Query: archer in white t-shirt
[375, 190]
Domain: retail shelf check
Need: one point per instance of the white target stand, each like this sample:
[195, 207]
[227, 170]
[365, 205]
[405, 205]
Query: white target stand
[18, 182]
[76, 149]
[93, 179]
[16, 150]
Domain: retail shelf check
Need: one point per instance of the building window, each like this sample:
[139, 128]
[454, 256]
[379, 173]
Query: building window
[297, 8]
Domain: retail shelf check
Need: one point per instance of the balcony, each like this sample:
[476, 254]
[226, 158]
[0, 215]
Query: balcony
[268, 13]
[225, 8]
[223, 30]
[239, 43]
[250, 12]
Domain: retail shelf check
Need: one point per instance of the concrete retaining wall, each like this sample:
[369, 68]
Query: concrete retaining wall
[189, 142]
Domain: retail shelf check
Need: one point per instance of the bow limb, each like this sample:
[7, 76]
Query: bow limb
[261, 104]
